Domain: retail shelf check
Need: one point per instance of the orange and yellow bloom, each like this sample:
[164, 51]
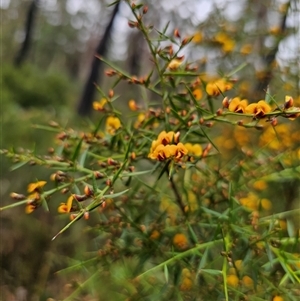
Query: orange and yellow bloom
[99, 105]
[112, 124]
[237, 105]
[36, 187]
[66, 207]
[167, 146]
[259, 110]
[215, 88]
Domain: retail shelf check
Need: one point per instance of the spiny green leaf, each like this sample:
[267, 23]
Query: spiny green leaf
[18, 165]
[77, 151]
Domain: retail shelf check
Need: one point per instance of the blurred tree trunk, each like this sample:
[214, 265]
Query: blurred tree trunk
[29, 25]
[85, 103]
[269, 58]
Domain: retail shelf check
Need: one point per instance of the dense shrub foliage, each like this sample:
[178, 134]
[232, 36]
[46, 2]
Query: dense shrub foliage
[192, 195]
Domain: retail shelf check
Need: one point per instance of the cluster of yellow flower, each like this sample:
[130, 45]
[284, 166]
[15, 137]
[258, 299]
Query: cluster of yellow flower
[238, 105]
[226, 42]
[216, 87]
[34, 198]
[261, 108]
[253, 202]
[167, 146]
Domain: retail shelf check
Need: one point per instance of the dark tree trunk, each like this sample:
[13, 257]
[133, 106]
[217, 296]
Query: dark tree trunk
[31, 14]
[262, 85]
[85, 103]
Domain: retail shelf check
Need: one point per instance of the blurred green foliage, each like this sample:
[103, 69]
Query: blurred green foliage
[223, 194]
[30, 86]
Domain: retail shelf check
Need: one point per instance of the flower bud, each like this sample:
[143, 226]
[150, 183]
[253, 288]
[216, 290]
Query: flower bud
[274, 122]
[225, 102]
[132, 24]
[65, 190]
[53, 123]
[289, 102]
[79, 197]
[209, 124]
[176, 33]
[98, 175]
[131, 168]
[145, 9]
[88, 191]
[110, 72]
[219, 112]
[111, 93]
[17, 196]
[86, 215]
[112, 162]
[176, 137]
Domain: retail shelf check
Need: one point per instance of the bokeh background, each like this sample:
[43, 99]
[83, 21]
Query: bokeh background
[47, 58]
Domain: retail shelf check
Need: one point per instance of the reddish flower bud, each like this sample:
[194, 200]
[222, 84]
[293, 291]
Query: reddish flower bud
[110, 72]
[79, 197]
[88, 191]
[86, 215]
[132, 24]
[289, 102]
[17, 196]
[225, 102]
[112, 162]
[62, 136]
[145, 9]
[111, 93]
[65, 190]
[274, 121]
[209, 124]
[176, 33]
[219, 112]
[98, 175]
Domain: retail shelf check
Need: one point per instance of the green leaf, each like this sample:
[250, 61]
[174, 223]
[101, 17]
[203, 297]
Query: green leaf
[268, 97]
[239, 68]
[82, 158]
[18, 165]
[283, 175]
[78, 216]
[166, 272]
[204, 133]
[115, 195]
[77, 151]
[136, 173]
[211, 272]
[46, 128]
[45, 204]
[113, 3]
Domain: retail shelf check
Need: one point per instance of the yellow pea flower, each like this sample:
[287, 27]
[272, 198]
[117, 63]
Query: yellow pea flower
[66, 207]
[34, 187]
[258, 109]
[237, 105]
[112, 124]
